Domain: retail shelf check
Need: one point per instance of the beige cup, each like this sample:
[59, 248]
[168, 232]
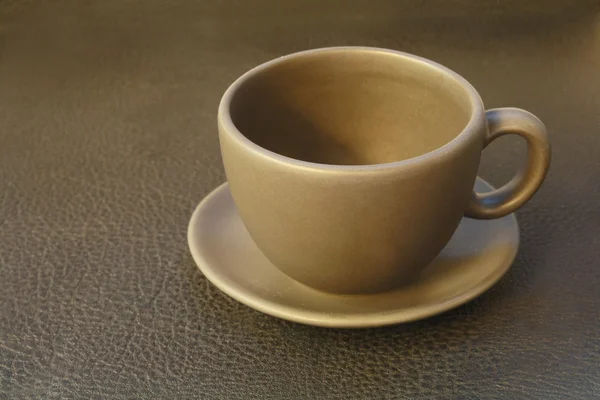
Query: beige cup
[352, 167]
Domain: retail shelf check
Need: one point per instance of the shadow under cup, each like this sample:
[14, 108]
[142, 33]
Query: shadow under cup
[350, 108]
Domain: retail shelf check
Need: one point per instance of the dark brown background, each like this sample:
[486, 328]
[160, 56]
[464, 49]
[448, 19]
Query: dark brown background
[108, 141]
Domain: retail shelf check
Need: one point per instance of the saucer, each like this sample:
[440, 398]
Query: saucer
[477, 256]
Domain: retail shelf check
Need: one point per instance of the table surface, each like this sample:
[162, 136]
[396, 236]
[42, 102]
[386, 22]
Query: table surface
[108, 141]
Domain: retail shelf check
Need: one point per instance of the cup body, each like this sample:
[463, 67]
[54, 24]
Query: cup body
[351, 167]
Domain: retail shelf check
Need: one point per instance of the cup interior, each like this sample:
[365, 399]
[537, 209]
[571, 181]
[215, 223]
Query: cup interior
[350, 107]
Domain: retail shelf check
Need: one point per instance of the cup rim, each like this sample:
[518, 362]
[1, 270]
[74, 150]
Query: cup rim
[449, 148]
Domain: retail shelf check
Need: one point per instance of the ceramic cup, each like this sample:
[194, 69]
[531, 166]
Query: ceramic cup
[352, 167]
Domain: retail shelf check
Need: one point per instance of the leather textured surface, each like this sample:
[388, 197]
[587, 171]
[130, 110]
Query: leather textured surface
[108, 141]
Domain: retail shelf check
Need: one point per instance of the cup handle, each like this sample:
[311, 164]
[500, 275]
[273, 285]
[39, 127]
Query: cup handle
[514, 194]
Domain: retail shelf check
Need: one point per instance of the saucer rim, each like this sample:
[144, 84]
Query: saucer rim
[339, 320]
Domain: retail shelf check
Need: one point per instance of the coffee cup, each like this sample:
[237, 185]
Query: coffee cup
[352, 167]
